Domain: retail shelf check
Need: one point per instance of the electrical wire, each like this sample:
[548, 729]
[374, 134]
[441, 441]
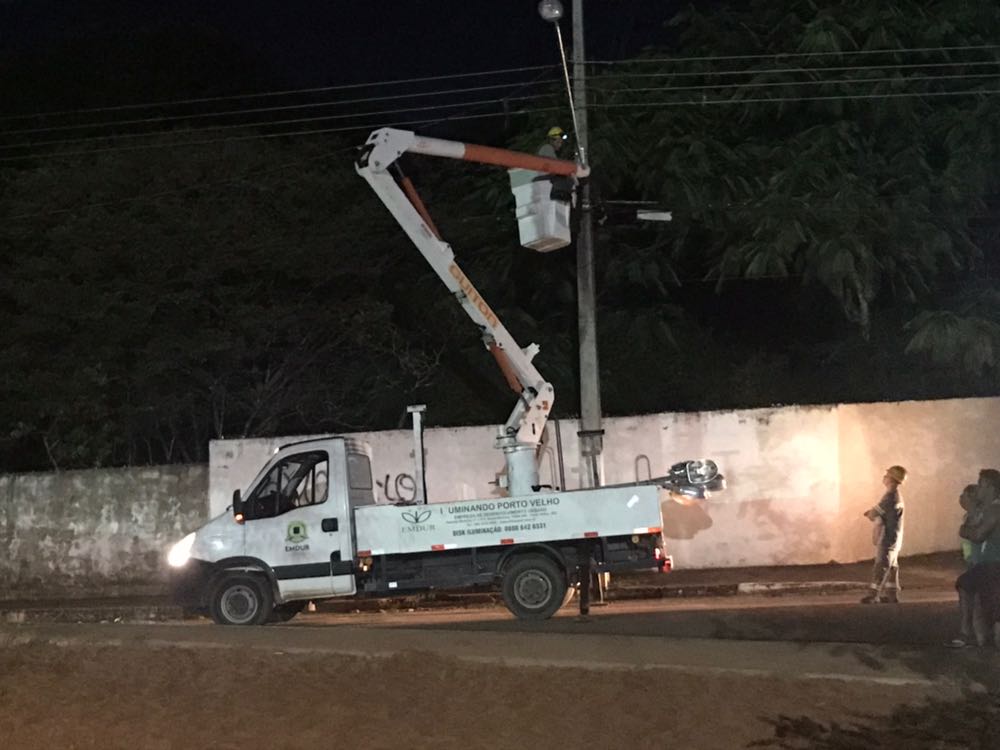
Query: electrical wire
[772, 84]
[446, 92]
[317, 131]
[612, 105]
[283, 108]
[781, 55]
[777, 99]
[616, 105]
[825, 69]
[273, 123]
[264, 94]
[500, 71]
[597, 84]
[297, 162]
[636, 61]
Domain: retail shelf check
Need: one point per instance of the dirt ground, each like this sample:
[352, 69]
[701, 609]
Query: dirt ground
[90, 697]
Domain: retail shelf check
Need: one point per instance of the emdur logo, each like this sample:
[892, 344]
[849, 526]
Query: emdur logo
[296, 532]
[416, 516]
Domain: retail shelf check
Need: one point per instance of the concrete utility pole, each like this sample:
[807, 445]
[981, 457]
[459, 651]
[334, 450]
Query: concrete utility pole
[591, 434]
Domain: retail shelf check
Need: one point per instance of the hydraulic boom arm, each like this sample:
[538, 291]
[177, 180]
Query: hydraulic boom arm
[524, 427]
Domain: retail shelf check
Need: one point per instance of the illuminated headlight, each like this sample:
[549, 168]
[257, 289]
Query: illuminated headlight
[181, 552]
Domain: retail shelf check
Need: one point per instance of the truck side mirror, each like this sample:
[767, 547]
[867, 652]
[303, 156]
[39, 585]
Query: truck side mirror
[237, 506]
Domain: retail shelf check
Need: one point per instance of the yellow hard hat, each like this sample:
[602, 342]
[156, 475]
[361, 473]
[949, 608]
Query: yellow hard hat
[556, 132]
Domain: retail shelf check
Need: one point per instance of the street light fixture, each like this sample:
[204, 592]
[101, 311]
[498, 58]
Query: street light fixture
[552, 11]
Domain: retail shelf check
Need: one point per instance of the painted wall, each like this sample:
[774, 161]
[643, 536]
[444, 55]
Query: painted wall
[97, 532]
[943, 444]
[799, 477]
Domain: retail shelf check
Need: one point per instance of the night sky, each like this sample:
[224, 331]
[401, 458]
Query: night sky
[317, 42]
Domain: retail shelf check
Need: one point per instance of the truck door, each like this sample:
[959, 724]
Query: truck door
[297, 522]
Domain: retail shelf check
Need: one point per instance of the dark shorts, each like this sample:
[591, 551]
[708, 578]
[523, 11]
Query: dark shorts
[983, 579]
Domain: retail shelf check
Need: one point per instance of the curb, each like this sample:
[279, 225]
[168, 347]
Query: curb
[68, 613]
[792, 587]
[749, 588]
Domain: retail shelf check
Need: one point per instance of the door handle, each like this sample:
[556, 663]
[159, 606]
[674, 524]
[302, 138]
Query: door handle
[330, 524]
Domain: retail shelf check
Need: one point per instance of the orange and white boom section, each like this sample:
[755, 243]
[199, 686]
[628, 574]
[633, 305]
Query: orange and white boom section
[523, 429]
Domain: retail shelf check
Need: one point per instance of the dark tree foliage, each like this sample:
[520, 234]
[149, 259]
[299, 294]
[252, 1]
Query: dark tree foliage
[832, 240]
[240, 301]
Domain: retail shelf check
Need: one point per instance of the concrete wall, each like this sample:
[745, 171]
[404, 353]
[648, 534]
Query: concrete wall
[98, 532]
[799, 479]
[799, 476]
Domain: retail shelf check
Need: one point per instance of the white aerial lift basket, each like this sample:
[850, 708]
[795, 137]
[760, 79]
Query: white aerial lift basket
[542, 223]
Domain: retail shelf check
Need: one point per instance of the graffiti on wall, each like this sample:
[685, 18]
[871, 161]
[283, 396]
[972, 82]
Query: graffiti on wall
[398, 490]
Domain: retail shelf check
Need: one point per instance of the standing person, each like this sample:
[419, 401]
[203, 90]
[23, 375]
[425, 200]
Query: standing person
[981, 582]
[887, 536]
[970, 503]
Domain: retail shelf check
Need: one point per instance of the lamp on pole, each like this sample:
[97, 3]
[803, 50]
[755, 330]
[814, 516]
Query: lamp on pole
[591, 434]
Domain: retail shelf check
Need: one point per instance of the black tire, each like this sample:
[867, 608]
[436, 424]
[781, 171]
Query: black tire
[534, 587]
[285, 612]
[242, 599]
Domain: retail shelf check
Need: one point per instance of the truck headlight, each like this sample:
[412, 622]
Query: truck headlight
[180, 553]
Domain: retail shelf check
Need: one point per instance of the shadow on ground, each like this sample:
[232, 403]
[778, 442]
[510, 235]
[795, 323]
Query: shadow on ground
[971, 723]
[980, 667]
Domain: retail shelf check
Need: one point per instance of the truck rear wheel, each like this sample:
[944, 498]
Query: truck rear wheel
[534, 587]
[242, 599]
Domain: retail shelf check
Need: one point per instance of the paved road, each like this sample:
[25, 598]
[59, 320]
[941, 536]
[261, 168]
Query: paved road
[808, 637]
[925, 619]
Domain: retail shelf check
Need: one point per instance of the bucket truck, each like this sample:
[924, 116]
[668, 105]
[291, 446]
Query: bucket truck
[307, 527]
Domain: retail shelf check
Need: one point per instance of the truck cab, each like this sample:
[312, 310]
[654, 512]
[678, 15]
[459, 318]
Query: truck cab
[288, 539]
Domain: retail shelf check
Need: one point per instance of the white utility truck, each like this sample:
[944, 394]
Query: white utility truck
[308, 526]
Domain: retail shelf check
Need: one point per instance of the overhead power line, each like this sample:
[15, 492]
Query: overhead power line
[824, 69]
[783, 55]
[286, 92]
[624, 77]
[780, 99]
[293, 121]
[262, 136]
[281, 108]
[500, 71]
[208, 184]
[817, 82]
[610, 105]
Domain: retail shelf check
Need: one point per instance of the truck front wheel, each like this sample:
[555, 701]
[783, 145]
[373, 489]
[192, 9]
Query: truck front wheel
[242, 599]
[534, 587]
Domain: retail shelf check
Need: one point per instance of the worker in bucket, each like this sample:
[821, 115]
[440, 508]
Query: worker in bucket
[887, 535]
[562, 187]
[555, 139]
